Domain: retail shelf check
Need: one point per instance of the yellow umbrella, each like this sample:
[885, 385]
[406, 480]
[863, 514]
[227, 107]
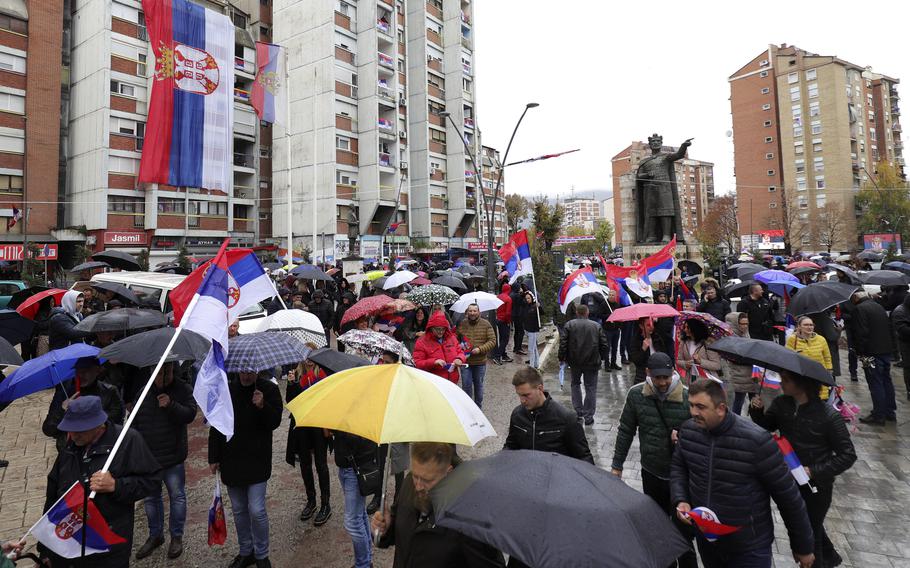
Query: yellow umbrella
[392, 403]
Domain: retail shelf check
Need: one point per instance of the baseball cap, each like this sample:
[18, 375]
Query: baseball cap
[660, 364]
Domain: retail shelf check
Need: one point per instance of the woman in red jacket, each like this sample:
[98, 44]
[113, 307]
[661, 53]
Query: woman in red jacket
[438, 351]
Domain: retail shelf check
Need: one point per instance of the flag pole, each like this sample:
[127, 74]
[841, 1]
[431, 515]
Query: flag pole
[287, 143]
[315, 142]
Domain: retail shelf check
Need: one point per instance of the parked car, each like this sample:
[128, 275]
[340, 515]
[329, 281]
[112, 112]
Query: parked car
[8, 288]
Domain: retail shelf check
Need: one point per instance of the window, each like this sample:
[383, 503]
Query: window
[122, 165]
[12, 103]
[820, 200]
[121, 88]
[10, 62]
[239, 20]
[798, 147]
[814, 109]
[141, 65]
[769, 139]
[766, 106]
[769, 156]
[763, 74]
[12, 143]
[794, 93]
[765, 90]
[813, 90]
[438, 135]
[819, 164]
[810, 74]
[816, 127]
[208, 208]
[13, 25]
[801, 184]
[803, 202]
[793, 78]
[171, 206]
[800, 166]
[797, 131]
[767, 123]
[344, 178]
[770, 172]
[817, 147]
[820, 182]
[772, 188]
[10, 184]
[120, 204]
[343, 143]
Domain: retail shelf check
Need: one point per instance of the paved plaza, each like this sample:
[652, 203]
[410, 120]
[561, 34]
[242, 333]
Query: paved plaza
[868, 521]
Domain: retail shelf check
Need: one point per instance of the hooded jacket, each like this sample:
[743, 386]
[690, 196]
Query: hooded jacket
[504, 312]
[531, 319]
[654, 419]
[64, 318]
[739, 375]
[324, 310]
[428, 349]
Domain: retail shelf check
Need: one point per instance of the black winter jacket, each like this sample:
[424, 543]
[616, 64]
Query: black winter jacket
[110, 402]
[871, 329]
[582, 344]
[323, 310]
[550, 428]
[816, 431]
[164, 429]
[349, 448]
[733, 469]
[761, 316]
[135, 472]
[247, 458]
[661, 340]
[900, 318]
[719, 307]
[62, 329]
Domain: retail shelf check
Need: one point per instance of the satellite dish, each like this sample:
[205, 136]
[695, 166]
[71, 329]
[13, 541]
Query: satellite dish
[729, 133]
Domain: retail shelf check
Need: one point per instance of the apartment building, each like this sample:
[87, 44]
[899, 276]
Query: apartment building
[31, 57]
[694, 178]
[808, 130]
[581, 212]
[110, 84]
[370, 149]
[492, 167]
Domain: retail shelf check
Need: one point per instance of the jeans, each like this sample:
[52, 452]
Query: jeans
[613, 335]
[174, 479]
[659, 490]
[472, 382]
[584, 409]
[817, 505]
[628, 329]
[251, 518]
[503, 340]
[880, 387]
[533, 354]
[738, 399]
[355, 518]
[712, 557]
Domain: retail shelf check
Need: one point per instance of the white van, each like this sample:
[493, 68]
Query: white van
[157, 286]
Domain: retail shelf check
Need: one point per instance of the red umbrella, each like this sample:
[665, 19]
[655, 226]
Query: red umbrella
[29, 308]
[803, 264]
[643, 310]
[374, 305]
[420, 282]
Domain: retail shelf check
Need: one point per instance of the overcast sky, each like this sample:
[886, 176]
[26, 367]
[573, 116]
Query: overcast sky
[606, 73]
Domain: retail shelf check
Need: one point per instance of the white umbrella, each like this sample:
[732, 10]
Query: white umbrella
[484, 300]
[399, 278]
[286, 320]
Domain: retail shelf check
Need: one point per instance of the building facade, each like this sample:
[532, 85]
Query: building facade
[808, 131]
[695, 180]
[492, 169]
[607, 214]
[581, 212]
[368, 83]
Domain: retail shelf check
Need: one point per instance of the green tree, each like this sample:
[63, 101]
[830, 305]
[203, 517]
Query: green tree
[885, 208]
[547, 279]
[517, 207]
[547, 220]
[143, 259]
[604, 234]
[183, 260]
[81, 253]
[32, 268]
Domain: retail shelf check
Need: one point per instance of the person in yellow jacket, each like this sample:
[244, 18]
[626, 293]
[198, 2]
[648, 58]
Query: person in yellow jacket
[812, 345]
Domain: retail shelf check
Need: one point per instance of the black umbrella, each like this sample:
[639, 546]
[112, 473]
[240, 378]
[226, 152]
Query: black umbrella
[564, 512]
[886, 278]
[335, 361]
[118, 259]
[14, 328]
[8, 354]
[738, 289]
[818, 297]
[272, 265]
[122, 320]
[771, 355]
[22, 295]
[452, 282]
[690, 266]
[849, 272]
[92, 265]
[467, 269]
[744, 270]
[171, 268]
[691, 281]
[802, 270]
[869, 255]
[310, 272]
[118, 290]
[899, 266]
[144, 349]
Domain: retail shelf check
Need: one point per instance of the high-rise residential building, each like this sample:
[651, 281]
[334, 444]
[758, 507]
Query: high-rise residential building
[368, 83]
[32, 54]
[492, 168]
[694, 178]
[808, 131]
[581, 212]
[110, 84]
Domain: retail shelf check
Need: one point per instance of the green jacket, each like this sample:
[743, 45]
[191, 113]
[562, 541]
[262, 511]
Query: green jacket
[640, 413]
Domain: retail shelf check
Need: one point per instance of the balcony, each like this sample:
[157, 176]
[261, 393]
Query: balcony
[469, 174]
[241, 95]
[435, 64]
[434, 10]
[437, 175]
[385, 160]
[346, 191]
[434, 38]
[385, 60]
[384, 26]
[343, 21]
[465, 19]
[344, 123]
[468, 122]
[435, 91]
[470, 203]
[896, 127]
[242, 64]
[467, 69]
[435, 119]
[466, 42]
[386, 124]
[342, 54]
[243, 192]
[437, 147]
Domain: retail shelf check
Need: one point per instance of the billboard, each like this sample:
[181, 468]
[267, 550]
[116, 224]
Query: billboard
[881, 242]
[772, 239]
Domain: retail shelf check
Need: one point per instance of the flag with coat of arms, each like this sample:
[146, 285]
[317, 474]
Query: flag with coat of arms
[516, 256]
[64, 526]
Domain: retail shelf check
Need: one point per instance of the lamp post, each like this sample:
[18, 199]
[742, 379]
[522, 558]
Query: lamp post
[490, 208]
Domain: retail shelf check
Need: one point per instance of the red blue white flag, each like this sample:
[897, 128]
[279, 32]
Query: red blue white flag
[190, 133]
[711, 528]
[576, 285]
[217, 523]
[516, 255]
[659, 266]
[62, 528]
[269, 97]
[792, 460]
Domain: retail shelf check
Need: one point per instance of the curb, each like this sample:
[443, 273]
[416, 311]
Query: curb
[545, 354]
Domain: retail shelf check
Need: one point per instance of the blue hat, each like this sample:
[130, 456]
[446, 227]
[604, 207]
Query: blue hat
[83, 414]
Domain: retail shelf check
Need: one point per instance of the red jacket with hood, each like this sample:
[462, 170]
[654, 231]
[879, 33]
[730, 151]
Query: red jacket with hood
[504, 312]
[428, 349]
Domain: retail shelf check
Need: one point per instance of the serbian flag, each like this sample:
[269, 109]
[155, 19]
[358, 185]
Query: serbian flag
[703, 373]
[11, 222]
[576, 285]
[792, 460]
[61, 529]
[518, 262]
[217, 523]
[659, 266]
[706, 521]
[190, 133]
[269, 96]
[393, 227]
[616, 275]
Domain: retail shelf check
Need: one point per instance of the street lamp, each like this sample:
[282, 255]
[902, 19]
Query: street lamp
[491, 275]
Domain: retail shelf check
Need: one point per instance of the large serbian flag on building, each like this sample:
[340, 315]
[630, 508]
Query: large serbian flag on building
[269, 96]
[189, 136]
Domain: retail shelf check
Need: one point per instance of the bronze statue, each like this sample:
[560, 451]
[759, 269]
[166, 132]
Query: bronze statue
[657, 195]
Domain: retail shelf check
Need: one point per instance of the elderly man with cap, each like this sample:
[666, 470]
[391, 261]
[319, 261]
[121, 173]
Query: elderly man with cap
[132, 476]
[655, 408]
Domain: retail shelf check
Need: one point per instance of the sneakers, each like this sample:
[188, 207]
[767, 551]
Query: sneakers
[496, 361]
[322, 517]
[308, 510]
[872, 420]
[263, 562]
[615, 367]
[241, 561]
[589, 421]
[507, 359]
[175, 548]
[150, 545]
[519, 352]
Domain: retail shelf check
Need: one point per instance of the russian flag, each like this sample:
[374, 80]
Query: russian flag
[660, 265]
[61, 529]
[769, 379]
[577, 284]
[190, 133]
[217, 523]
[706, 521]
[792, 460]
[269, 96]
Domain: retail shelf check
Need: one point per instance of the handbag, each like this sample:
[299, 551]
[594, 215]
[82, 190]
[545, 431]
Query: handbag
[368, 471]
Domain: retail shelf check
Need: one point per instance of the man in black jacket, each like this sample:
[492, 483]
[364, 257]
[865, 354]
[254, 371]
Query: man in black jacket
[245, 462]
[583, 346]
[612, 331]
[410, 525]
[900, 317]
[323, 309]
[871, 331]
[714, 304]
[760, 312]
[132, 476]
[732, 466]
[540, 423]
[162, 420]
[518, 313]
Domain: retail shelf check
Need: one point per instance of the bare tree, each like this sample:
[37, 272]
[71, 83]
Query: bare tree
[721, 223]
[794, 221]
[832, 226]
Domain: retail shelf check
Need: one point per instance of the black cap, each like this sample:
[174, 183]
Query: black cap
[660, 364]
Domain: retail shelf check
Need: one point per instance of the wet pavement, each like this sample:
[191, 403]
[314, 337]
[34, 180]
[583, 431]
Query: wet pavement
[868, 521]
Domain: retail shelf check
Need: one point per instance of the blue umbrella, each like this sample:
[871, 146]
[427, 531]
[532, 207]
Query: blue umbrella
[778, 281]
[45, 372]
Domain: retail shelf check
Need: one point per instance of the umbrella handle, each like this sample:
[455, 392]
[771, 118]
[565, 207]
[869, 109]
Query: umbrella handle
[387, 467]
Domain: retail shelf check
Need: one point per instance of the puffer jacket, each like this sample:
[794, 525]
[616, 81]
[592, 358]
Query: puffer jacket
[900, 318]
[428, 349]
[504, 312]
[739, 375]
[641, 413]
[110, 402]
[164, 429]
[481, 335]
[816, 431]
[324, 311]
[550, 428]
[815, 348]
[734, 469]
[871, 329]
[582, 344]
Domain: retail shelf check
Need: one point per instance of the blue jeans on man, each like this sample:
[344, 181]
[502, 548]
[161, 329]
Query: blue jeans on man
[251, 519]
[713, 557]
[472, 382]
[878, 377]
[356, 522]
[174, 478]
